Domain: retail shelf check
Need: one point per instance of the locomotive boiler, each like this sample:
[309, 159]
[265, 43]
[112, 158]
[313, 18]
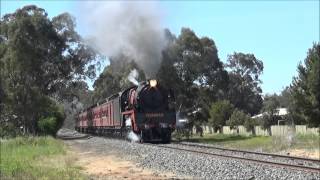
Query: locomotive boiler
[146, 109]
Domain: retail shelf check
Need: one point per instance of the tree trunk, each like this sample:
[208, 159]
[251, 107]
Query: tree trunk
[269, 131]
[254, 131]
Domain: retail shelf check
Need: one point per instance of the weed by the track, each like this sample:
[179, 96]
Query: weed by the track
[36, 158]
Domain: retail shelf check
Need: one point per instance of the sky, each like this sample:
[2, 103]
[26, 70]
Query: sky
[277, 32]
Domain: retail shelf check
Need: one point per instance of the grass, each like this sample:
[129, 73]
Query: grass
[260, 143]
[36, 158]
[307, 141]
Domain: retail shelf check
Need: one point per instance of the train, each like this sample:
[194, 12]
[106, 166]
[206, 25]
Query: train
[146, 109]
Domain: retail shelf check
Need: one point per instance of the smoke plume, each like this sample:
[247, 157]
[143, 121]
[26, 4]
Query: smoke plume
[130, 28]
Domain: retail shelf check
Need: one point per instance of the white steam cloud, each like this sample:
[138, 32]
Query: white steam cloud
[132, 77]
[128, 122]
[133, 137]
[130, 28]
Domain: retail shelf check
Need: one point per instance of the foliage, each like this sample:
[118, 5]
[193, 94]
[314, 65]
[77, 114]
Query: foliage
[51, 118]
[47, 125]
[244, 87]
[270, 105]
[192, 68]
[285, 97]
[250, 124]
[237, 118]
[220, 112]
[76, 96]
[114, 78]
[306, 89]
[8, 130]
[35, 158]
[39, 57]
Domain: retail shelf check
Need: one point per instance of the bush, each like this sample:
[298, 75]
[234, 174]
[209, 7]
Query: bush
[8, 130]
[220, 112]
[237, 118]
[47, 125]
[51, 120]
[249, 124]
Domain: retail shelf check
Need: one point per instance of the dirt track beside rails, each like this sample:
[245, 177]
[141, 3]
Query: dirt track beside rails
[106, 164]
[109, 158]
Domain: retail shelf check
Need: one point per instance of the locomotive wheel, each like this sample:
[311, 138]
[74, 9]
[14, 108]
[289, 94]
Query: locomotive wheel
[166, 137]
[141, 137]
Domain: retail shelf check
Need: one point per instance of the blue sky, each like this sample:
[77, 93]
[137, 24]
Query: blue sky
[278, 33]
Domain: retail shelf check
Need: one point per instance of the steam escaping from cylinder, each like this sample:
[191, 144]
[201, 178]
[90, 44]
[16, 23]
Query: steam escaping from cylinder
[133, 137]
[128, 121]
[132, 77]
[130, 28]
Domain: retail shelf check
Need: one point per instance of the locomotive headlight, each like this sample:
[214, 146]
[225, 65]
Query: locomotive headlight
[153, 83]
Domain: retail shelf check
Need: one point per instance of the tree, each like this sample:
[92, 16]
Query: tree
[114, 77]
[250, 124]
[75, 96]
[285, 97]
[306, 88]
[2, 96]
[39, 56]
[236, 119]
[244, 87]
[270, 105]
[220, 112]
[192, 68]
[51, 118]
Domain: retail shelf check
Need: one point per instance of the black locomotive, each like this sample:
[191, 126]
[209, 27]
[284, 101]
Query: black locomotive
[147, 110]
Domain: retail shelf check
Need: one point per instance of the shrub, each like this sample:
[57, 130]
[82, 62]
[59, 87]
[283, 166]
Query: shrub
[220, 112]
[8, 130]
[249, 124]
[237, 118]
[47, 125]
[51, 120]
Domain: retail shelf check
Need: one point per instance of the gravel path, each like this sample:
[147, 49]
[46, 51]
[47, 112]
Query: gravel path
[186, 164]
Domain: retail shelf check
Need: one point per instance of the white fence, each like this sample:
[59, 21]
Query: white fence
[281, 130]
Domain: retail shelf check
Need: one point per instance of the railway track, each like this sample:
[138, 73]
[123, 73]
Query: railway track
[306, 164]
[284, 161]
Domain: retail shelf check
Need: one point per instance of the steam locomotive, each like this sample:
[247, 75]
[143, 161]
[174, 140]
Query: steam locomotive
[146, 109]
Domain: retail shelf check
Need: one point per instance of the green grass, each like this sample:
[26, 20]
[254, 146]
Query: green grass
[306, 142]
[260, 143]
[36, 158]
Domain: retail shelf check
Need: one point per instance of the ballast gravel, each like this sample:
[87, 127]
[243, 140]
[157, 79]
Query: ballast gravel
[188, 164]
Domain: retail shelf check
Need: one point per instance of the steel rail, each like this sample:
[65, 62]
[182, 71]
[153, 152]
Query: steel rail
[66, 137]
[251, 152]
[306, 168]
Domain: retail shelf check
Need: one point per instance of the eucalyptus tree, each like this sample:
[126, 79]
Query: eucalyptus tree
[115, 77]
[39, 56]
[244, 87]
[192, 68]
